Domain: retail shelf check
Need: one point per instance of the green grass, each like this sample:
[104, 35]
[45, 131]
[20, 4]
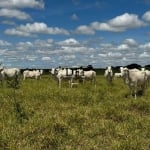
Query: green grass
[40, 116]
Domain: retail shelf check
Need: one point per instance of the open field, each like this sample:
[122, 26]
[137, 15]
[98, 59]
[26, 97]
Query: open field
[40, 116]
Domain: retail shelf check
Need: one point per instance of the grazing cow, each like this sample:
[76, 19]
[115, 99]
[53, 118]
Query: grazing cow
[108, 74]
[12, 74]
[135, 79]
[32, 74]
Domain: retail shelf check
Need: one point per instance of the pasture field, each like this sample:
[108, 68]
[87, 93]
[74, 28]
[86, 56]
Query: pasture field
[40, 116]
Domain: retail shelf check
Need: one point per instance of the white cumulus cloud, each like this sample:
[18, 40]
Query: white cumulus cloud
[146, 16]
[123, 47]
[130, 42]
[46, 58]
[145, 46]
[69, 42]
[103, 27]
[126, 21]
[83, 29]
[35, 28]
[4, 43]
[118, 24]
[21, 4]
[13, 13]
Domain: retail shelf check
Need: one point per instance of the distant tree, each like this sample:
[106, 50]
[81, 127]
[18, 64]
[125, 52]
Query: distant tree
[132, 66]
[90, 67]
[86, 68]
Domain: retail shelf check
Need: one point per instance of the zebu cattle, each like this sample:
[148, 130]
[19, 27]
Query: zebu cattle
[78, 74]
[135, 79]
[41, 72]
[67, 74]
[32, 74]
[72, 74]
[12, 74]
[122, 72]
[52, 71]
[147, 73]
[148, 77]
[89, 75]
[118, 75]
[63, 73]
[108, 74]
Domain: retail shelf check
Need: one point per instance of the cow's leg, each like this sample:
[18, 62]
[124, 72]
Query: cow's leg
[70, 83]
[131, 90]
[2, 81]
[83, 80]
[95, 82]
[135, 91]
[59, 82]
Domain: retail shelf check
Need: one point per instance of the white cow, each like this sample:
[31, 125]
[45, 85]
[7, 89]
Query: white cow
[147, 73]
[88, 75]
[41, 71]
[135, 79]
[67, 74]
[10, 74]
[148, 77]
[122, 72]
[63, 73]
[109, 74]
[32, 74]
[118, 75]
[52, 71]
[78, 74]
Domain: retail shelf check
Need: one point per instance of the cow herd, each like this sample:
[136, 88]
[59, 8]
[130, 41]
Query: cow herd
[32, 74]
[136, 79]
[73, 74]
[14, 75]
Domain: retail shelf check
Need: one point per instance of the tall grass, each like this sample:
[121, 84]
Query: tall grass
[40, 116]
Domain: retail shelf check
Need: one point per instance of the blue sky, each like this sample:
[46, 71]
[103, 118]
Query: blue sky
[50, 33]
